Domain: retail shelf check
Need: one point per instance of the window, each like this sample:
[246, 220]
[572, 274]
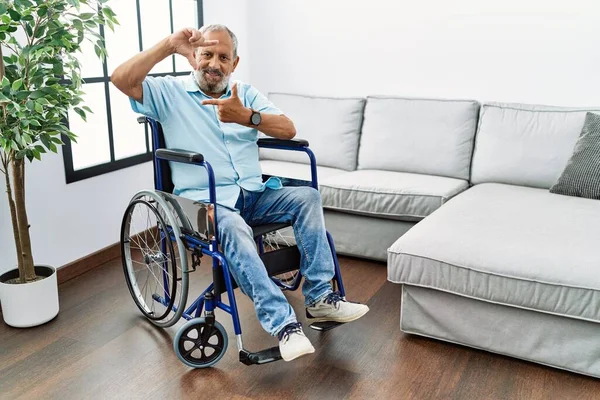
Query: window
[111, 139]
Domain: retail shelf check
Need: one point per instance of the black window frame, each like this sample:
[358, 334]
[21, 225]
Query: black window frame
[72, 175]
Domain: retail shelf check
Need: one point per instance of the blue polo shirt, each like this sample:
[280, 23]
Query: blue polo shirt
[231, 149]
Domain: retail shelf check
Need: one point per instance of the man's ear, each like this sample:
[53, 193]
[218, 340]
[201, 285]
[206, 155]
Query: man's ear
[235, 63]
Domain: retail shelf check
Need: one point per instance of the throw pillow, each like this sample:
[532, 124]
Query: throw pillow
[581, 177]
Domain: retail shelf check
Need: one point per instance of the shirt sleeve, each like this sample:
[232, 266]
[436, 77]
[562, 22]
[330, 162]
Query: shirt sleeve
[259, 102]
[155, 98]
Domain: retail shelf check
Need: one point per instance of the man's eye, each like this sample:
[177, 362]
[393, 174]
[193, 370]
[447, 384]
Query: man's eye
[205, 54]
[224, 58]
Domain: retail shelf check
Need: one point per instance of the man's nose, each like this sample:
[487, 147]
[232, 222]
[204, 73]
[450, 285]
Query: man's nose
[214, 63]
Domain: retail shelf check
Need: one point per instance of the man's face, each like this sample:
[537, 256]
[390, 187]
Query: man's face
[215, 63]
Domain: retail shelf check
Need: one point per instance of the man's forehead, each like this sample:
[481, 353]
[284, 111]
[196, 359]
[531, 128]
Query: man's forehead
[225, 45]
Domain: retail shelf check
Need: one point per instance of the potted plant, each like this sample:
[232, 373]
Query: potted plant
[39, 82]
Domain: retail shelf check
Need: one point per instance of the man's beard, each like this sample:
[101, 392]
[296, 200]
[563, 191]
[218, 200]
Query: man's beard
[208, 86]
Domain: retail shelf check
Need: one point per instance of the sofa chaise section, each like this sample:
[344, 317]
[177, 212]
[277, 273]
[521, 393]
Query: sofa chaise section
[506, 266]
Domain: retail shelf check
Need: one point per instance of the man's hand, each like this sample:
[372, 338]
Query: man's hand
[231, 109]
[185, 41]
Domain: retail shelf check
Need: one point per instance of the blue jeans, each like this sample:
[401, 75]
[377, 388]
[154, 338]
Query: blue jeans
[300, 206]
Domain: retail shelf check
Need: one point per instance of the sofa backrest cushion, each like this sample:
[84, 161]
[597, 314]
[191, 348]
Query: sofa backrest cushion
[526, 145]
[426, 136]
[331, 126]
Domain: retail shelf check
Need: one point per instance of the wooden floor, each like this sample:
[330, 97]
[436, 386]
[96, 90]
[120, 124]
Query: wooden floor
[100, 348]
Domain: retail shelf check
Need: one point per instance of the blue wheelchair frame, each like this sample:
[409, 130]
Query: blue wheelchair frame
[208, 301]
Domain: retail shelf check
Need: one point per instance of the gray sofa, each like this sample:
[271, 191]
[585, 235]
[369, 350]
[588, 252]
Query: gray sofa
[454, 194]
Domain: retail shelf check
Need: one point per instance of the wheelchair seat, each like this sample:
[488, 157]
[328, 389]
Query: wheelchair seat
[260, 230]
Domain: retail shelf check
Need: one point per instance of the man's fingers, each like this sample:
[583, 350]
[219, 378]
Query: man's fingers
[212, 102]
[201, 42]
[195, 35]
[234, 90]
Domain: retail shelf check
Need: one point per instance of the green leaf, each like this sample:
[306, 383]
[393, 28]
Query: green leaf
[39, 108]
[36, 94]
[42, 11]
[74, 3]
[85, 16]
[2, 8]
[22, 95]
[17, 84]
[57, 140]
[20, 154]
[30, 105]
[34, 122]
[43, 101]
[40, 32]
[46, 141]
[78, 24]
[14, 15]
[108, 11]
[81, 113]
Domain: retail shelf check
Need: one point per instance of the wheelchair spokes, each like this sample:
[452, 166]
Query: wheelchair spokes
[275, 241]
[154, 260]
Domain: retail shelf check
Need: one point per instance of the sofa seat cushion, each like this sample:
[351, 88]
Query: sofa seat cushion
[296, 171]
[387, 194]
[512, 245]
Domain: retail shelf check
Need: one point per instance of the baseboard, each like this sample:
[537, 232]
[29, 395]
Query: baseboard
[94, 260]
[87, 263]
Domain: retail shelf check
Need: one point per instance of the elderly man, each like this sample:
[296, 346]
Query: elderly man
[209, 114]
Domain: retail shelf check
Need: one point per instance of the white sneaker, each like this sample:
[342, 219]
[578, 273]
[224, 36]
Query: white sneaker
[333, 308]
[293, 343]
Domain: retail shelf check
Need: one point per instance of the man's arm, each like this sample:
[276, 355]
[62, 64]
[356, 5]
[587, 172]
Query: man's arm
[277, 126]
[129, 76]
[232, 110]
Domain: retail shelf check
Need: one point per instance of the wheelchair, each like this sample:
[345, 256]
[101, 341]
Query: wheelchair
[164, 237]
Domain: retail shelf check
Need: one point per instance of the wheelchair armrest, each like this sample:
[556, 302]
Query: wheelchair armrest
[182, 156]
[292, 143]
[141, 120]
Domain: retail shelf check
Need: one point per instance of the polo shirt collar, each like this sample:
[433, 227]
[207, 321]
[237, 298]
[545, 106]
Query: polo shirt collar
[191, 85]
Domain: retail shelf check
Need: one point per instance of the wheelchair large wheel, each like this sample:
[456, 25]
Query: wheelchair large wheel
[154, 259]
[200, 345]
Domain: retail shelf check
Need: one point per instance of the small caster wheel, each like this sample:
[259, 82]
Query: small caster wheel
[199, 345]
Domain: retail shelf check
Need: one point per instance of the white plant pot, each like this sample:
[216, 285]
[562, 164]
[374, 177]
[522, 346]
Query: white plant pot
[29, 304]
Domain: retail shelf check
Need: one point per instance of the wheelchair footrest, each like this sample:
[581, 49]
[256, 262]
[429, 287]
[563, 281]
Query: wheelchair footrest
[325, 326]
[260, 357]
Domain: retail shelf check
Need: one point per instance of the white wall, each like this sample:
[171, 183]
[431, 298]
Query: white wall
[233, 14]
[71, 221]
[538, 51]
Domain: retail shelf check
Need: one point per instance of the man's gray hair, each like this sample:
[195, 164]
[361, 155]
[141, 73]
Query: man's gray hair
[219, 27]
